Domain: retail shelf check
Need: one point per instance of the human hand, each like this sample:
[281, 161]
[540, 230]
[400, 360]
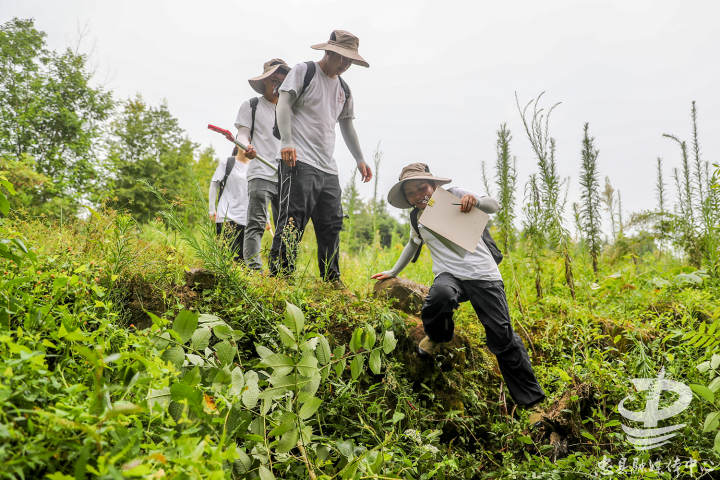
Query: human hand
[250, 153]
[267, 226]
[212, 216]
[381, 276]
[467, 203]
[365, 171]
[289, 156]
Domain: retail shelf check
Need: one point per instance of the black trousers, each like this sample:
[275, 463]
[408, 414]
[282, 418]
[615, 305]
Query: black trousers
[235, 236]
[307, 193]
[488, 300]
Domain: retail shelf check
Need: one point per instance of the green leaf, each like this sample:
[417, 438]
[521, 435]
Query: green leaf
[243, 463]
[277, 360]
[252, 391]
[223, 332]
[323, 352]
[180, 391]
[349, 471]
[9, 187]
[265, 474]
[703, 391]
[288, 441]
[375, 362]
[310, 407]
[356, 340]
[370, 337]
[225, 352]
[715, 384]
[237, 382]
[525, 439]
[161, 397]
[307, 365]
[715, 361]
[192, 377]
[287, 338]
[294, 320]
[175, 356]
[711, 422]
[703, 367]
[263, 351]
[589, 436]
[389, 342]
[185, 324]
[338, 354]
[612, 423]
[200, 339]
[716, 446]
[356, 366]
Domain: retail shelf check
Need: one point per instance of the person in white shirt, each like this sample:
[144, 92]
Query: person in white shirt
[472, 276]
[254, 122]
[313, 98]
[230, 216]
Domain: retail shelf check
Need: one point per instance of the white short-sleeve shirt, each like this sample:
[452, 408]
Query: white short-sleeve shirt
[234, 201]
[263, 139]
[477, 265]
[314, 116]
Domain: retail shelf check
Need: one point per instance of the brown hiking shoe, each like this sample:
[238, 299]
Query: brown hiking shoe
[426, 347]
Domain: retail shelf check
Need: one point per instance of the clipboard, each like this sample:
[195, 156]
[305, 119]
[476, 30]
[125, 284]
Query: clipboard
[461, 231]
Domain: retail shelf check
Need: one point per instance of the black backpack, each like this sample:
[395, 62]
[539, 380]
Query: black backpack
[487, 238]
[309, 74]
[231, 161]
[228, 168]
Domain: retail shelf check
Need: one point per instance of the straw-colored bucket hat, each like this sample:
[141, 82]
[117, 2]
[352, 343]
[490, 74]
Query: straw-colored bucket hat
[414, 171]
[345, 44]
[268, 69]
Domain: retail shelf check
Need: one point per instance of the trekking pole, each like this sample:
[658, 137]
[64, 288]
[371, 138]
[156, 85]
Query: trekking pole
[229, 136]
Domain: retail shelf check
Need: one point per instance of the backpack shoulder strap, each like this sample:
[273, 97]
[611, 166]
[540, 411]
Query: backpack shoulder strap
[414, 222]
[492, 246]
[309, 74]
[253, 108]
[228, 169]
[345, 88]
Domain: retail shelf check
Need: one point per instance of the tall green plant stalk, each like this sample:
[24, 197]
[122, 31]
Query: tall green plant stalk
[533, 225]
[591, 221]
[506, 181]
[619, 214]
[351, 198]
[377, 160]
[485, 179]
[608, 198]
[550, 182]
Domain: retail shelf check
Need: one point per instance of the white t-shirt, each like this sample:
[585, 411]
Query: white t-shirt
[477, 265]
[315, 114]
[263, 139]
[234, 201]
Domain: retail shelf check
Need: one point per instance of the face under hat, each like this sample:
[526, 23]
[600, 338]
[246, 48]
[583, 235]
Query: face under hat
[414, 171]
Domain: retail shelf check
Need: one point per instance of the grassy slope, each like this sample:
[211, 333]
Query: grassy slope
[584, 353]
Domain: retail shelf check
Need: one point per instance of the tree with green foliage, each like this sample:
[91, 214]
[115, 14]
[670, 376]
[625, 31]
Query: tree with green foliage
[51, 116]
[591, 218]
[148, 143]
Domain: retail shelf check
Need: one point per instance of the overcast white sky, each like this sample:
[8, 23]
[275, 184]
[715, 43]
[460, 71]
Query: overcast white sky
[442, 76]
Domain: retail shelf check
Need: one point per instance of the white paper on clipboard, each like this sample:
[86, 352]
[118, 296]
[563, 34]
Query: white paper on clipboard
[447, 222]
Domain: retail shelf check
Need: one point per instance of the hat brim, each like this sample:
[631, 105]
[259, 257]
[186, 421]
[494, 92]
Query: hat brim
[345, 52]
[257, 82]
[396, 197]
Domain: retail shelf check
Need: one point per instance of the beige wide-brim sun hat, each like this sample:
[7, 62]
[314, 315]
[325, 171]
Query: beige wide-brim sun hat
[345, 44]
[414, 171]
[268, 69]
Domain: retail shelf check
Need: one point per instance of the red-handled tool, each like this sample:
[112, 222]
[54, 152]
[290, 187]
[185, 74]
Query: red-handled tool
[229, 136]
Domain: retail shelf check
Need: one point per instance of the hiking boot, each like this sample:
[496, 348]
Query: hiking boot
[536, 416]
[426, 347]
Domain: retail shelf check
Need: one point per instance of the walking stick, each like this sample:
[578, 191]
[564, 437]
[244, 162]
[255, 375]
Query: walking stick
[229, 136]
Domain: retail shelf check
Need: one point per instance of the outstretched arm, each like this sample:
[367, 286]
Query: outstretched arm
[405, 257]
[470, 199]
[351, 140]
[213, 193]
[284, 121]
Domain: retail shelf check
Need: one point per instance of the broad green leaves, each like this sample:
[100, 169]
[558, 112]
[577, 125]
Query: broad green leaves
[185, 324]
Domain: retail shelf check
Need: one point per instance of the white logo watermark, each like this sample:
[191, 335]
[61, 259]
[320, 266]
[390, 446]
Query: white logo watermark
[651, 437]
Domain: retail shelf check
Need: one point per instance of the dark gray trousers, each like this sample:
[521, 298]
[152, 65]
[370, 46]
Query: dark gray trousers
[488, 300]
[260, 193]
[307, 193]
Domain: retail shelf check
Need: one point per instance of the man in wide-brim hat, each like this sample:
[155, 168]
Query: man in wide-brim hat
[313, 98]
[255, 121]
[470, 276]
